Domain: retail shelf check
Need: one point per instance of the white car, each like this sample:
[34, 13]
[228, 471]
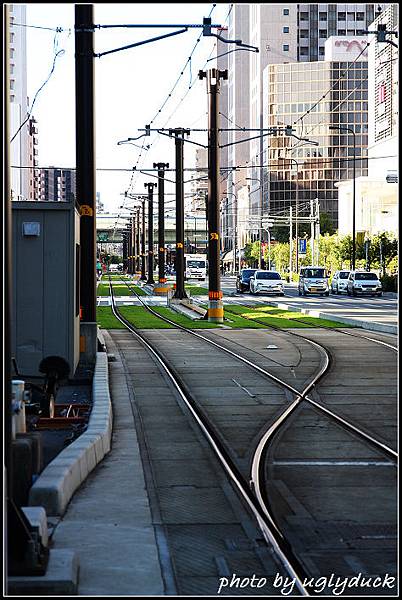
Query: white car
[339, 282]
[363, 282]
[269, 282]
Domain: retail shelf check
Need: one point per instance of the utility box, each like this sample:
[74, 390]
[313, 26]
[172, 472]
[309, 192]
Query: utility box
[46, 263]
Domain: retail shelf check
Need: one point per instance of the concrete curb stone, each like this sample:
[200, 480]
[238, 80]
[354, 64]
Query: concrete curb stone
[59, 480]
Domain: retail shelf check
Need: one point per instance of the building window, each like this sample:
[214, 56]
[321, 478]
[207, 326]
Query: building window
[360, 32]
[323, 33]
[304, 51]
[304, 16]
[286, 30]
[323, 16]
[303, 33]
[286, 47]
[341, 31]
[360, 16]
[322, 51]
[351, 16]
[341, 16]
[351, 32]
[286, 12]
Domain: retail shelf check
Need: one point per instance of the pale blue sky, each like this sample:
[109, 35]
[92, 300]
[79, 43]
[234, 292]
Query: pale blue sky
[131, 86]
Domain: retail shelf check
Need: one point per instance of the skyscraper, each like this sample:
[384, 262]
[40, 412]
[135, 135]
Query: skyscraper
[284, 34]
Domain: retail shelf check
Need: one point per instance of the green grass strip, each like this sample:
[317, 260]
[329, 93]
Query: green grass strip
[106, 319]
[196, 290]
[281, 318]
[142, 319]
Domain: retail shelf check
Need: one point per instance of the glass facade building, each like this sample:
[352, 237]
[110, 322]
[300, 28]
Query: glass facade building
[300, 170]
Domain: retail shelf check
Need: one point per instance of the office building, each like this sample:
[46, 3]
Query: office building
[311, 97]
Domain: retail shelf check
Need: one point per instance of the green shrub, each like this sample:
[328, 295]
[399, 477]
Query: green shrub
[389, 283]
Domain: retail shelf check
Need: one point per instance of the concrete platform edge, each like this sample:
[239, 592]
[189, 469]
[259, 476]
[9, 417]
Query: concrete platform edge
[60, 479]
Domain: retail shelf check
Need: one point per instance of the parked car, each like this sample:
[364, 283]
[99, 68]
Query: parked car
[363, 282]
[243, 280]
[269, 282]
[313, 280]
[339, 282]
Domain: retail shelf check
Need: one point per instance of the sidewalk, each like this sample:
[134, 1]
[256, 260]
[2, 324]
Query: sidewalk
[108, 522]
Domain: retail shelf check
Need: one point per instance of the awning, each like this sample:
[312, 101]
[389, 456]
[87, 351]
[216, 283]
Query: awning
[228, 257]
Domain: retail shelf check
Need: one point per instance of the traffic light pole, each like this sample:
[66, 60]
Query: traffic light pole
[215, 304]
[161, 225]
[150, 187]
[180, 292]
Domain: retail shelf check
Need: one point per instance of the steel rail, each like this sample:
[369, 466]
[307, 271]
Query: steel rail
[276, 538]
[367, 437]
[352, 428]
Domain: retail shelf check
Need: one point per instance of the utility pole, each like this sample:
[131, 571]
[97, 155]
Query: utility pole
[137, 253]
[143, 276]
[312, 228]
[125, 253]
[150, 187]
[180, 292]
[161, 222]
[85, 159]
[290, 244]
[317, 204]
[215, 304]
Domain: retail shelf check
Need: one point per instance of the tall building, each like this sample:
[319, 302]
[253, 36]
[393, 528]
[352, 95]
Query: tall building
[376, 195]
[57, 185]
[285, 34]
[312, 97]
[199, 188]
[19, 147]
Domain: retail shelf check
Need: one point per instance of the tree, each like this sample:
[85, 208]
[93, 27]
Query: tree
[326, 224]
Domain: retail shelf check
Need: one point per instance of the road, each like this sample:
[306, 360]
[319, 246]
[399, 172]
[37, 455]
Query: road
[382, 310]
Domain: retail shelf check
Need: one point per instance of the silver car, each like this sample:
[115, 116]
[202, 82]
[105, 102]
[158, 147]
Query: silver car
[339, 283]
[269, 282]
[363, 283]
[313, 280]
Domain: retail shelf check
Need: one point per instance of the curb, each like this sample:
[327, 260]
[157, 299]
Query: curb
[371, 326]
[59, 480]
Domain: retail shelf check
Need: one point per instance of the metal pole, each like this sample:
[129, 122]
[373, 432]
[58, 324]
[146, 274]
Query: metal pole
[143, 276]
[161, 220]
[290, 243]
[125, 253]
[150, 187]
[297, 215]
[85, 155]
[269, 249]
[318, 230]
[312, 231]
[180, 292]
[215, 304]
[354, 202]
[138, 241]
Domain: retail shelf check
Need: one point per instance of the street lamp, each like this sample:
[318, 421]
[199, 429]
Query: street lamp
[344, 128]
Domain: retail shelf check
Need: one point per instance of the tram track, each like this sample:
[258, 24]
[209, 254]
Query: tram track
[260, 508]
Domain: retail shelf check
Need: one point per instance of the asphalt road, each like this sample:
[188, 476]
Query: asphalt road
[381, 310]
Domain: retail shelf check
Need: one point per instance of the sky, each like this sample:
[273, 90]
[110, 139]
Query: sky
[131, 88]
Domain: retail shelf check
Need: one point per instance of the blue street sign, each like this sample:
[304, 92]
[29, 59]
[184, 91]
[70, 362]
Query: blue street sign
[302, 246]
